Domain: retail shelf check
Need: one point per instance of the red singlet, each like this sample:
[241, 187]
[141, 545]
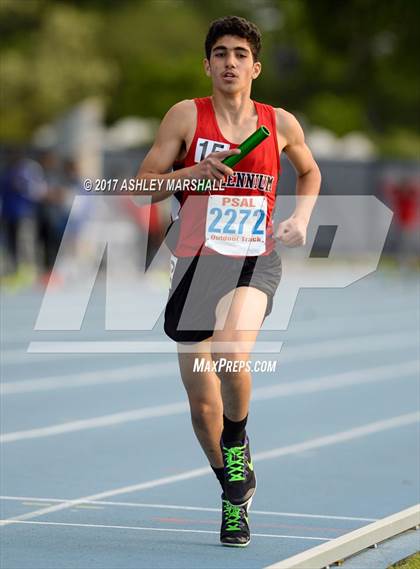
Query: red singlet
[236, 221]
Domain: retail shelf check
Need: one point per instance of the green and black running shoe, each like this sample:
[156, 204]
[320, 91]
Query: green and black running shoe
[234, 531]
[240, 481]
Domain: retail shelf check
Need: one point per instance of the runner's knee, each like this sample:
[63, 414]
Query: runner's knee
[204, 411]
[232, 365]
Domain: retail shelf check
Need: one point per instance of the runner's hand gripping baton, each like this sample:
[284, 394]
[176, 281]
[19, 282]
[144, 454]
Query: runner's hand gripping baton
[247, 145]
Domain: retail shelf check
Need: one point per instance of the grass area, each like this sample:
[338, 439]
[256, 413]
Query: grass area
[412, 562]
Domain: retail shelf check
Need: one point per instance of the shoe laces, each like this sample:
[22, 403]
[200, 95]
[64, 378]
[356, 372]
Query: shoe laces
[232, 515]
[235, 463]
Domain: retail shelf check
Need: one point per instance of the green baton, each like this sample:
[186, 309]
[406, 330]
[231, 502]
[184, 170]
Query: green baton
[247, 145]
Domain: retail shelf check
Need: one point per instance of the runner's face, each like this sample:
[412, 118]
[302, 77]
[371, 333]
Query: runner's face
[231, 65]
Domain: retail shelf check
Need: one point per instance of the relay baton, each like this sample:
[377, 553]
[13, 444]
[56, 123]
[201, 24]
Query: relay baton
[247, 145]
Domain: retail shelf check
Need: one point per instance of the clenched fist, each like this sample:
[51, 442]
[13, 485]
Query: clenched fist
[292, 231]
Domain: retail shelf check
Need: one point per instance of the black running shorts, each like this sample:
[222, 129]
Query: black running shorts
[198, 283]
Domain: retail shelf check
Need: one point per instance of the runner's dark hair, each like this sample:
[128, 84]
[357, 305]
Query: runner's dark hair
[234, 26]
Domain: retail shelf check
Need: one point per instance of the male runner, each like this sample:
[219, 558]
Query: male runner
[225, 268]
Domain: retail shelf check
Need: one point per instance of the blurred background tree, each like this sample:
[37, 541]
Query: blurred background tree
[51, 58]
[344, 66]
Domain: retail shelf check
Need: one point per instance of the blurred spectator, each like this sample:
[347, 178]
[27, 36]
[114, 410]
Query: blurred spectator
[48, 239]
[406, 204]
[22, 186]
[36, 199]
[407, 212]
[54, 212]
[404, 198]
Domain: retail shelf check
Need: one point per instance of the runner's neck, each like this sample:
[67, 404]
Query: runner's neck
[234, 110]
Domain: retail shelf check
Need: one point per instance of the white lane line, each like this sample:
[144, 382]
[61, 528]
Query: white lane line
[143, 347]
[335, 381]
[357, 345]
[339, 380]
[337, 550]
[34, 503]
[317, 318]
[21, 356]
[172, 530]
[290, 353]
[371, 343]
[170, 409]
[311, 444]
[188, 508]
[106, 376]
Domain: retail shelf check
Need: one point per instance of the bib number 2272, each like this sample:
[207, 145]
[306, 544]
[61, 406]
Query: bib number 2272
[236, 226]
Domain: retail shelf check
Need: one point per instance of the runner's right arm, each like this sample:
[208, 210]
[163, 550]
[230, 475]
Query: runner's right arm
[173, 133]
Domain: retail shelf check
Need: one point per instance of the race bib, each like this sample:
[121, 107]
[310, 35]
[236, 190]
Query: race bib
[205, 147]
[236, 225]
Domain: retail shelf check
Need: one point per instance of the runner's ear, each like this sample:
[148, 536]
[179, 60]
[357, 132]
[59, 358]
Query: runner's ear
[206, 65]
[257, 69]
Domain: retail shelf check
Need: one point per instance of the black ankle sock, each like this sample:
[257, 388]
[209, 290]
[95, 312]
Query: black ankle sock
[233, 431]
[219, 472]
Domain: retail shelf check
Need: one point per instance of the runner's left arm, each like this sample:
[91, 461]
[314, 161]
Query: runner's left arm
[292, 232]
